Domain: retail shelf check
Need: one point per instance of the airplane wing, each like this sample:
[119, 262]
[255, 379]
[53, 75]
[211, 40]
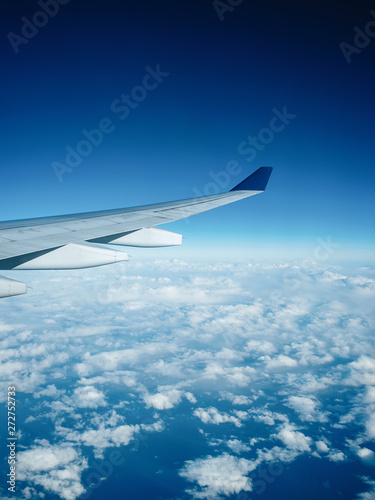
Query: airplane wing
[78, 240]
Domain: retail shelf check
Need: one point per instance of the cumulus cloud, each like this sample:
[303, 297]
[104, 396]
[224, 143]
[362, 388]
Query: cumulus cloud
[57, 468]
[30, 493]
[237, 446]
[237, 399]
[336, 456]
[370, 395]
[50, 391]
[293, 438]
[370, 494]
[279, 362]
[163, 400]
[167, 397]
[362, 371]
[240, 376]
[123, 358]
[116, 377]
[307, 408]
[266, 416]
[322, 446]
[101, 437]
[190, 397]
[88, 397]
[218, 476]
[366, 455]
[213, 416]
[236, 337]
[370, 426]
[260, 347]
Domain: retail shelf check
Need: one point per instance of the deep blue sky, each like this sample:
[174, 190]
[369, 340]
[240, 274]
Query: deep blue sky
[225, 78]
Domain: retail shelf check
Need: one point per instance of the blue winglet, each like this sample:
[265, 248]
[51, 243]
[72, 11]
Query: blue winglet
[256, 181]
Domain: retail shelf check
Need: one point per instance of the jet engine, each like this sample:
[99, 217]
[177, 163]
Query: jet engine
[9, 287]
[147, 237]
[75, 256]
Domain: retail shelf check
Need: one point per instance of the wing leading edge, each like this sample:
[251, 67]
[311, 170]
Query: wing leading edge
[76, 240]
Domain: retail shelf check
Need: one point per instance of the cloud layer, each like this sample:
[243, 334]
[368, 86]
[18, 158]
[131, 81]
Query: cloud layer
[267, 361]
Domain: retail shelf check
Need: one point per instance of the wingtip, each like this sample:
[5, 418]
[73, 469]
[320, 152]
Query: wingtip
[257, 181]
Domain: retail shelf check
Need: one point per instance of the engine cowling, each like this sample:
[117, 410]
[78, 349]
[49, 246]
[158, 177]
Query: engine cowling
[75, 256]
[9, 288]
[150, 237]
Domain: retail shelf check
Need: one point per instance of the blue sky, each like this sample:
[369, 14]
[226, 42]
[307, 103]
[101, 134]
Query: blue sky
[224, 80]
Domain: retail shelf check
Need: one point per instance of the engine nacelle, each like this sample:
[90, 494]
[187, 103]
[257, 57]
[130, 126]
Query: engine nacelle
[75, 256]
[148, 237]
[9, 288]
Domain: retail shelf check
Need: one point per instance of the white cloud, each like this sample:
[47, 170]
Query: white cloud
[307, 409]
[88, 397]
[101, 437]
[190, 397]
[163, 400]
[370, 494]
[29, 492]
[336, 456]
[266, 416]
[57, 468]
[217, 476]
[277, 454]
[280, 361]
[322, 446]
[370, 395]
[366, 455]
[237, 446]
[362, 371]
[157, 426]
[50, 391]
[235, 335]
[258, 347]
[236, 399]
[370, 426]
[213, 416]
[117, 377]
[293, 438]
[167, 397]
[240, 376]
[122, 358]
[229, 355]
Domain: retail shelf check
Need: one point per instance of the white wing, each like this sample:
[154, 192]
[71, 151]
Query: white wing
[76, 240]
